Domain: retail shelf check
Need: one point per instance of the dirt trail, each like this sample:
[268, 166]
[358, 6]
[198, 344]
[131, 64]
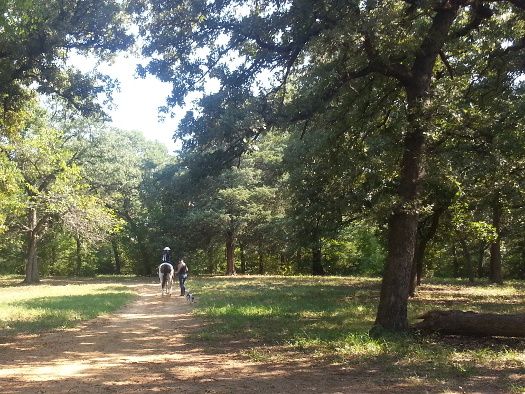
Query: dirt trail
[148, 346]
[145, 348]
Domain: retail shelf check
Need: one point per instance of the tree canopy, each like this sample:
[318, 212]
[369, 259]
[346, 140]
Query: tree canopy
[342, 135]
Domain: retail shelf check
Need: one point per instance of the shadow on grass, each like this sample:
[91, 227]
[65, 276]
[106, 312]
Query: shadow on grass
[329, 319]
[284, 311]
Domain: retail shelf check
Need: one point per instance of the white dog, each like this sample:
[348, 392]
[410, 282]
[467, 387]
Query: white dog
[166, 272]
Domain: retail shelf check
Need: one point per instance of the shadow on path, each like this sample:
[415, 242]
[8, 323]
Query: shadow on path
[145, 348]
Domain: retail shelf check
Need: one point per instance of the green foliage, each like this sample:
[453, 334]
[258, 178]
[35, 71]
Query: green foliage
[356, 251]
[11, 200]
[354, 80]
[36, 36]
[122, 166]
[314, 95]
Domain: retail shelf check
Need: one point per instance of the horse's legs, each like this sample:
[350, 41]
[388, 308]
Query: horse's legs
[161, 277]
[170, 282]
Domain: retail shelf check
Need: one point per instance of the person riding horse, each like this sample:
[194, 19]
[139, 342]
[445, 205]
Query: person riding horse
[166, 271]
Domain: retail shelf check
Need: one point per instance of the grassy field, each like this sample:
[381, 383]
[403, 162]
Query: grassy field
[274, 319]
[328, 319]
[60, 304]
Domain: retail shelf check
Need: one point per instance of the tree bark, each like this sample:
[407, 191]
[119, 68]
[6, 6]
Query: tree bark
[417, 266]
[392, 309]
[31, 270]
[317, 259]
[495, 247]
[242, 257]
[393, 302]
[481, 254]
[230, 248]
[472, 324]
[116, 256]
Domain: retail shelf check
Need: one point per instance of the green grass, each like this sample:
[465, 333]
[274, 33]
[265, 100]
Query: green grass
[286, 309]
[273, 319]
[329, 318]
[56, 305]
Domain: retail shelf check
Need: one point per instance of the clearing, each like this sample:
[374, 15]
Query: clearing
[150, 346]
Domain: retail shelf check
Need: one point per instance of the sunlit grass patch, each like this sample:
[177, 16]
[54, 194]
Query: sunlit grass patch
[517, 389]
[45, 307]
[360, 344]
[329, 318]
[264, 354]
[277, 309]
[480, 297]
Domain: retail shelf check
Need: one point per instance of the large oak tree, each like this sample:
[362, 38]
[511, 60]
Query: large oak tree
[281, 62]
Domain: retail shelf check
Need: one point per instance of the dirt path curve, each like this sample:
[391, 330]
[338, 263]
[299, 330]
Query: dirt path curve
[145, 348]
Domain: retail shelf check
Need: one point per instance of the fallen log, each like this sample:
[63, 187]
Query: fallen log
[457, 322]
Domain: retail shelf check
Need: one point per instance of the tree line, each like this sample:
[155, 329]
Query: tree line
[363, 137]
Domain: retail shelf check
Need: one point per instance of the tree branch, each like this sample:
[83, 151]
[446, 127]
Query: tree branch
[479, 13]
[433, 43]
[445, 61]
[379, 65]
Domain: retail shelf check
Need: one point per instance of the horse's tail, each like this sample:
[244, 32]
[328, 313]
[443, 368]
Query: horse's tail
[164, 279]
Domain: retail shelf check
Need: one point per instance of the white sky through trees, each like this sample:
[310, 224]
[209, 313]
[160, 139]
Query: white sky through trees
[136, 105]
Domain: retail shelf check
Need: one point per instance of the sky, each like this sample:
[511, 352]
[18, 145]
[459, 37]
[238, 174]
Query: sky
[135, 106]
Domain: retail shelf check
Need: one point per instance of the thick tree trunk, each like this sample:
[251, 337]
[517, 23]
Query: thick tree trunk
[230, 248]
[31, 270]
[392, 310]
[317, 259]
[260, 258]
[116, 256]
[495, 247]
[472, 324]
[417, 266]
[242, 257]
